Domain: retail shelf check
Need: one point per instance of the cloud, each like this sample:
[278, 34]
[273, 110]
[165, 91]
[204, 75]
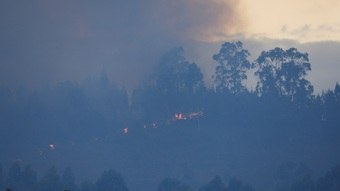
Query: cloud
[299, 20]
[46, 41]
[306, 33]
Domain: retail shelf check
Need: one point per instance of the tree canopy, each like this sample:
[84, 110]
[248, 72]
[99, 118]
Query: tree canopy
[282, 73]
[232, 65]
[175, 74]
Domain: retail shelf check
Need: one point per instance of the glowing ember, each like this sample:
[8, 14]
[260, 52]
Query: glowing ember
[177, 117]
[189, 116]
[180, 116]
[126, 130]
[52, 147]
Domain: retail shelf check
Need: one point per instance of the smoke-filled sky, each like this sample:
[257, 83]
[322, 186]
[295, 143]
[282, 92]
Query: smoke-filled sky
[47, 41]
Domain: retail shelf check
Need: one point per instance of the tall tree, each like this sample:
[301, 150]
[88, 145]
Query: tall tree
[282, 73]
[337, 92]
[14, 176]
[176, 74]
[176, 84]
[111, 181]
[68, 180]
[29, 179]
[232, 65]
[2, 181]
[304, 183]
[331, 181]
[50, 181]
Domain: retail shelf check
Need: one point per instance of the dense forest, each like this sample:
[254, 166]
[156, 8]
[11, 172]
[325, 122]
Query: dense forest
[25, 179]
[179, 120]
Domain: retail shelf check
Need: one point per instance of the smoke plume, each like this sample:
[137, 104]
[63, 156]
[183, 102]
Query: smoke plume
[47, 41]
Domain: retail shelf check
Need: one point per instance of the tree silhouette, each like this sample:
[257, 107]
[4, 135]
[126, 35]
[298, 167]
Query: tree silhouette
[233, 64]
[176, 74]
[50, 181]
[2, 181]
[68, 180]
[176, 84]
[29, 179]
[331, 181]
[111, 181]
[293, 176]
[304, 183]
[282, 73]
[330, 103]
[14, 176]
[337, 92]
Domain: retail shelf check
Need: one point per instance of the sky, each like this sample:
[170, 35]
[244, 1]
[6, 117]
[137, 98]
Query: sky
[304, 21]
[45, 41]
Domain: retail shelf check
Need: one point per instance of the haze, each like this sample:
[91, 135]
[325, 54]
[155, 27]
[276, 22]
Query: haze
[169, 95]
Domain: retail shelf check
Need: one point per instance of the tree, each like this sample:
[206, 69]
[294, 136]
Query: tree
[215, 184]
[331, 181]
[18, 179]
[69, 180]
[292, 176]
[29, 179]
[170, 184]
[111, 181]
[176, 74]
[282, 73]
[304, 183]
[50, 181]
[331, 106]
[232, 66]
[14, 177]
[2, 181]
[337, 93]
[176, 84]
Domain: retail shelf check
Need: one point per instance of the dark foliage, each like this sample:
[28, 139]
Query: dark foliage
[173, 114]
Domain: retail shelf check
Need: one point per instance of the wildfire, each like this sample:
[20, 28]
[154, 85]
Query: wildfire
[126, 130]
[52, 147]
[192, 115]
[180, 116]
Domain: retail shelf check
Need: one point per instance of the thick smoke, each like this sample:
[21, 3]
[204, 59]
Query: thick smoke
[47, 41]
